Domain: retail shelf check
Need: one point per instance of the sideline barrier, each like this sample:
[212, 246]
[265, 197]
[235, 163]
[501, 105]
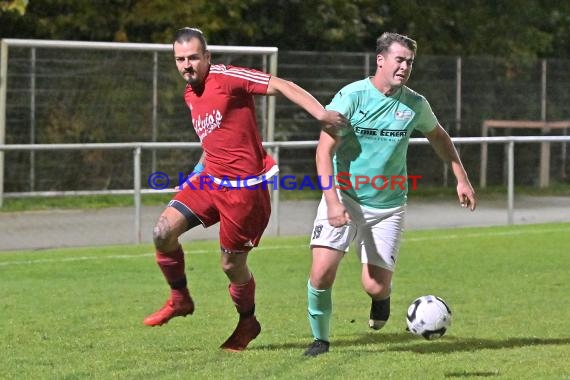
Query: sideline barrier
[275, 147]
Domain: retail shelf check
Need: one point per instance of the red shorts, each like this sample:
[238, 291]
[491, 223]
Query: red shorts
[243, 213]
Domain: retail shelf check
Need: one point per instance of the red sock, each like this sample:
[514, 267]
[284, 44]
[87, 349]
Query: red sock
[243, 296]
[172, 266]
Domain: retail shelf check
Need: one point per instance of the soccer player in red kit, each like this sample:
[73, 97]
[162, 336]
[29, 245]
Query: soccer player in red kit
[221, 103]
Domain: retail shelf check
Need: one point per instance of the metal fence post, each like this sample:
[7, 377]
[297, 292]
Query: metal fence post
[137, 193]
[275, 198]
[3, 90]
[544, 179]
[32, 117]
[510, 181]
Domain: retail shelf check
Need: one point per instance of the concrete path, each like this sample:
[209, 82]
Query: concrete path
[115, 226]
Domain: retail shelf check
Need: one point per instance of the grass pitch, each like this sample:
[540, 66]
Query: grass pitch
[77, 313]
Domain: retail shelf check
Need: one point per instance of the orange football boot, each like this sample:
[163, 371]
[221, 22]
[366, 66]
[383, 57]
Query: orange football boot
[170, 310]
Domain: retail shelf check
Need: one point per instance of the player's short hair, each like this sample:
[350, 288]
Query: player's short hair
[387, 39]
[187, 33]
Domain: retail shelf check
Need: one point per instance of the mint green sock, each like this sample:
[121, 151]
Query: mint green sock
[319, 311]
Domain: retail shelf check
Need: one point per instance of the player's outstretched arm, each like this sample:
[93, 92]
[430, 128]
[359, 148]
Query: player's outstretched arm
[299, 96]
[443, 146]
[337, 214]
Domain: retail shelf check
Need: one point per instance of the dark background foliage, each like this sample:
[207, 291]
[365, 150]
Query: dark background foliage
[511, 28]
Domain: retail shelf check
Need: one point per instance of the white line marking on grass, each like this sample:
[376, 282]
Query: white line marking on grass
[282, 247]
[122, 257]
[71, 259]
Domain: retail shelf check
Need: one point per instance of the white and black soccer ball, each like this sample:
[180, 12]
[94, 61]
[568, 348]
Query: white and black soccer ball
[429, 316]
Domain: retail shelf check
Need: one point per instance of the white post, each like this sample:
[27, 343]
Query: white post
[544, 146]
[3, 88]
[274, 150]
[510, 182]
[563, 155]
[32, 117]
[275, 198]
[154, 106]
[484, 156]
[137, 193]
[458, 98]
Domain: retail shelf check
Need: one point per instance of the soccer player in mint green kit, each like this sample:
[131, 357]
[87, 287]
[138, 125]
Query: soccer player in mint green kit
[367, 202]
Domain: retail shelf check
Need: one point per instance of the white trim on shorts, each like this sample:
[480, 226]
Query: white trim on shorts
[376, 232]
[247, 181]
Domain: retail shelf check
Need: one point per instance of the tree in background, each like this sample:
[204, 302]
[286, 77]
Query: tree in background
[516, 28]
[18, 6]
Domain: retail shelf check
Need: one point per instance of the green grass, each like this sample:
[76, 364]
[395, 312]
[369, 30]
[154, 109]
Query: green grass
[103, 201]
[77, 313]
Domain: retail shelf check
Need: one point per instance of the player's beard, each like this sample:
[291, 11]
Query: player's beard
[195, 82]
[190, 77]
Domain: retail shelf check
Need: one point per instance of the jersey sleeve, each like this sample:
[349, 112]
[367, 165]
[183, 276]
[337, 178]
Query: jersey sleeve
[426, 119]
[343, 103]
[241, 79]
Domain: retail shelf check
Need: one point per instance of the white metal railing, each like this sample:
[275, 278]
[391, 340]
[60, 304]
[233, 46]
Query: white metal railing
[273, 147]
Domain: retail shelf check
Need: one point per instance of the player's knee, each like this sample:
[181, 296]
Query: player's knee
[161, 237]
[230, 267]
[227, 267]
[234, 263]
[377, 290]
[322, 279]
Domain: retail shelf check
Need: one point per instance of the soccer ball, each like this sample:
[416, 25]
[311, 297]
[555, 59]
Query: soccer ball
[429, 316]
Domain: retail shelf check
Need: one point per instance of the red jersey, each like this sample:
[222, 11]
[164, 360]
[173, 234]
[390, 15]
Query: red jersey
[223, 116]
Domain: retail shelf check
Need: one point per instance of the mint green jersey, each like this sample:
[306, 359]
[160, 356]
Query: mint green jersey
[370, 161]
